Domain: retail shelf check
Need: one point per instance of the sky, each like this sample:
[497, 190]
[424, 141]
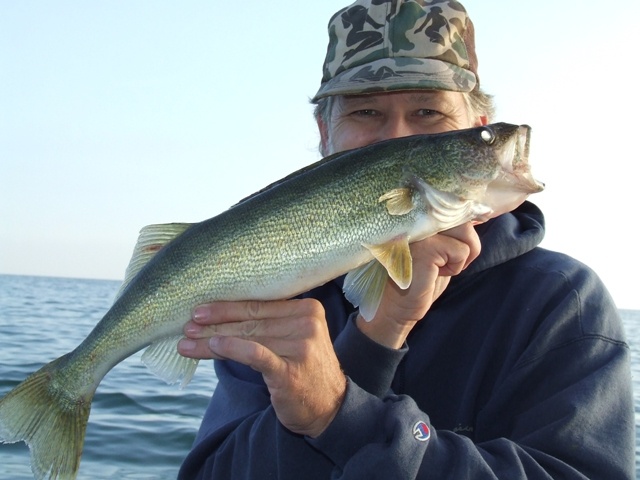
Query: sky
[115, 115]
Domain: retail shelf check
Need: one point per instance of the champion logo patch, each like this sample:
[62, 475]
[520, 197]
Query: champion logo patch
[421, 431]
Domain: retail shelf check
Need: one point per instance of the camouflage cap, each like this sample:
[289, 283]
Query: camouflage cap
[385, 45]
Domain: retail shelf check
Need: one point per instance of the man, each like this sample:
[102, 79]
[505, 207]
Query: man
[506, 363]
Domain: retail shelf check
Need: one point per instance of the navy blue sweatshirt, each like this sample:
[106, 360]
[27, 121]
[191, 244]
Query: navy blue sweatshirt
[519, 370]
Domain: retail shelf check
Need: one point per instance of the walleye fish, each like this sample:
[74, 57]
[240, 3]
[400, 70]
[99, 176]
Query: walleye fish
[355, 211]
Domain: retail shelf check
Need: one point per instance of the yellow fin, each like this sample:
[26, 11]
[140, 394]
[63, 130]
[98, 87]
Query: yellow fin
[364, 286]
[399, 201]
[163, 359]
[395, 257]
[150, 241]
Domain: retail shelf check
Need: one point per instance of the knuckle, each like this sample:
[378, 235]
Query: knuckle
[312, 308]
[249, 328]
[312, 318]
[254, 309]
[208, 331]
[220, 343]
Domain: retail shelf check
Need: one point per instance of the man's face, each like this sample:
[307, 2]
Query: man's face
[360, 120]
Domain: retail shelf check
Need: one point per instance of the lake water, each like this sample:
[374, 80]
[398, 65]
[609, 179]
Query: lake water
[140, 428]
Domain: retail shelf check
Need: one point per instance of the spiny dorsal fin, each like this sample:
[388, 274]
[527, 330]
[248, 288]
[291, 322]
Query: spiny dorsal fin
[163, 359]
[151, 240]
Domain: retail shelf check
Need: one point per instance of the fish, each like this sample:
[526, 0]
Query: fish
[354, 212]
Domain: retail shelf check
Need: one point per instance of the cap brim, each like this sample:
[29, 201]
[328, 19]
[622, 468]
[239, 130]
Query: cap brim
[399, 73]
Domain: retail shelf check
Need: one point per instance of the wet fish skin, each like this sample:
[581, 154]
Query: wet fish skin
[356, 212]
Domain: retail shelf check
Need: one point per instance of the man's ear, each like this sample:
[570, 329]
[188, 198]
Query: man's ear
[482, 121]
[323, 128]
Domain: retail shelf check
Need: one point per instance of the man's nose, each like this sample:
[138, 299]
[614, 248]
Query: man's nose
[396, 127]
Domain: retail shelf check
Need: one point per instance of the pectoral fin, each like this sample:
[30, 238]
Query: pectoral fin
[151, 240]
[399, 201]
[364, 286]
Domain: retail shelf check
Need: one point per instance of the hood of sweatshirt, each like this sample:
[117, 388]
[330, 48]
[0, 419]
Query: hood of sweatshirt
[508, 236]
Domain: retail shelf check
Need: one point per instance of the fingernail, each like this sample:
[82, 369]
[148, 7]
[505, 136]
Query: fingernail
[201, 313]
[192, 329]
[187, 345]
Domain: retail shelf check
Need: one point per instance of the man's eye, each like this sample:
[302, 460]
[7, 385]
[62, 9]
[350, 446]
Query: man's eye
[367, 112]
[426, 112]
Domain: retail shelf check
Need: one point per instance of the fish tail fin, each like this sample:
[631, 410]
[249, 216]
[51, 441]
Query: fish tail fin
[48, 420]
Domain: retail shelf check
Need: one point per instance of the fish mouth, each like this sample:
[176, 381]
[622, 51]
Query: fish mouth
[515, 182]
[516, 173]
[523, 140]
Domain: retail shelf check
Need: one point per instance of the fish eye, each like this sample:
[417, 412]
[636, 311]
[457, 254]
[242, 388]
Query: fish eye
[488, 136]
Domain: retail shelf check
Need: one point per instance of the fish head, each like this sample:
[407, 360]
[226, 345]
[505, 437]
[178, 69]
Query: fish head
[488, 165]
[514, 181]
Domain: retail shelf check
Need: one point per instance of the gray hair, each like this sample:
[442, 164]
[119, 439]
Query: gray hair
[478, 104]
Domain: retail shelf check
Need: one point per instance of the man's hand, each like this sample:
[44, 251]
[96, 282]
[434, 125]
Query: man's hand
[435, 260]
[288, 342]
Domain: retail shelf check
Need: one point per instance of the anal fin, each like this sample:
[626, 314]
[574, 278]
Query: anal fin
[163, 359]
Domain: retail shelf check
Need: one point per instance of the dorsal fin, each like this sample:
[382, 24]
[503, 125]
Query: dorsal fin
[151, 240]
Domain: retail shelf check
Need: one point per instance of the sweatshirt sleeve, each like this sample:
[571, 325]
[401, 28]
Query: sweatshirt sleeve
[371, 365]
